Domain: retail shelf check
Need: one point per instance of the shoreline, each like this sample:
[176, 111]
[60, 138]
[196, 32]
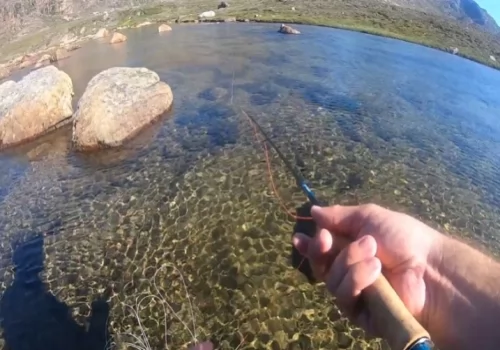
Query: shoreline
[37, 43]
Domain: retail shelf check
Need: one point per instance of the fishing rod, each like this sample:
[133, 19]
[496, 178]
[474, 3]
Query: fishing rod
[299, 179]
[391, 317]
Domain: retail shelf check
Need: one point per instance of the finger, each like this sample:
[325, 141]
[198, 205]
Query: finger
[360, 276]
[345, 220]
[301, 242]
[203, 346]
[362, 249]
[320, 254]
[320, 246]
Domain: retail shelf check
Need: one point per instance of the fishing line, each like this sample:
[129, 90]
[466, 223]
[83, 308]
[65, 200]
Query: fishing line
[255, 128]
[269, 170]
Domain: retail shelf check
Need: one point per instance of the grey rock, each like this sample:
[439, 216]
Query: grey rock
[117, 104]
[34, 105]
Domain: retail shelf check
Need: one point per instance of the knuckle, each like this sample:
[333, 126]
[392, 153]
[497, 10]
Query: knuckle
[369, 209]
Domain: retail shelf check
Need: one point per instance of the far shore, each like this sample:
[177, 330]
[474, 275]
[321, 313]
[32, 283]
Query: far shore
[411, 26]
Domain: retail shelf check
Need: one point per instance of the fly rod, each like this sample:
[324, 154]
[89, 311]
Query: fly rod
[299, 179]
[391, 317]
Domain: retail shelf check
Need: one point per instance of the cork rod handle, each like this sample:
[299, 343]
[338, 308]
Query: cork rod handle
[388, 312]
[400, 329]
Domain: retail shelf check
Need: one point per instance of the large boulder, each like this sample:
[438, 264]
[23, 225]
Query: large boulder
[36, 104]
[206, 14]
[164, 28]
[118, 38]
[117, 104]
[102, 33]
[288, 30]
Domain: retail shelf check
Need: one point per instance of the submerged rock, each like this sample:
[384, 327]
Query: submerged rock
[288, 30]
[117, 104]
[164, 28]
[117, 38]
[34, 105]
[213, 94]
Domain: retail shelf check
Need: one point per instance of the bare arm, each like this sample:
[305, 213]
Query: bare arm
[452, 289]
[466, 300]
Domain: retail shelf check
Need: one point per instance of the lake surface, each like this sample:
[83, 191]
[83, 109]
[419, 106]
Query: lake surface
[185, 215]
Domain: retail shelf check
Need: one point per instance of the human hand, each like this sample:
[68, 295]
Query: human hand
[206, 345]
[379, 239]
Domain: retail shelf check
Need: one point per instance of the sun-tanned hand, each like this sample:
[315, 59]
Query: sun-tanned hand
[444, 283]
[399, 243]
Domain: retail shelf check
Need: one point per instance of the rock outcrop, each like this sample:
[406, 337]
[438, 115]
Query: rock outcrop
[43, 61]
[144, 24]
[36, 104]
[465, 11]
[288, 30]
[117, 104]
[118, 38]
[61, 54]
[4, 71]
[223, 5]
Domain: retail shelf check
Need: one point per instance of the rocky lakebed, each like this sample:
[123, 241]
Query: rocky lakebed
[135, 202]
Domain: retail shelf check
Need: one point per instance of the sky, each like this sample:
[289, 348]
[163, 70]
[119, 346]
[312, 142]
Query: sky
[492, 6]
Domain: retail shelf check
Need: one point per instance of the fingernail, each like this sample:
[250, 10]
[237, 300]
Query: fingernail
[368, 244]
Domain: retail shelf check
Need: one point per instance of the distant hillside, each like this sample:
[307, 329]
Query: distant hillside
[459, 26]
[465, 11]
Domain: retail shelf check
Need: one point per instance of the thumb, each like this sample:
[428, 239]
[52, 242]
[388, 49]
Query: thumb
[343, 220]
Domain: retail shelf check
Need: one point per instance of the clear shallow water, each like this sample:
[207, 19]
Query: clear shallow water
[188, 201]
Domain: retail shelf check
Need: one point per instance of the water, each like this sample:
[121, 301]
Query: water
[185, 212]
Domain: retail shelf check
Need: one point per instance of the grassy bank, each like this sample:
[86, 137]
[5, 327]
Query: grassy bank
[361, 15]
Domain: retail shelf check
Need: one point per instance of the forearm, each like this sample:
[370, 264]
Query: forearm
[464, 292]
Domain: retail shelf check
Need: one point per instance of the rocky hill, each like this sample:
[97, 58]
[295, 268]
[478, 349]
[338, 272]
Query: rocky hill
[466, 11]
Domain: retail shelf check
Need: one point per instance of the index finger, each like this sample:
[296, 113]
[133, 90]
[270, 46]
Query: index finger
[339, 219]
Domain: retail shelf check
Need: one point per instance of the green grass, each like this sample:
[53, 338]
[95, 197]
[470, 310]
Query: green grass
[365, 16]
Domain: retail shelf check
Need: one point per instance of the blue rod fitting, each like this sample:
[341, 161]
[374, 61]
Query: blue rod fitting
[309, 193]
[421, 344]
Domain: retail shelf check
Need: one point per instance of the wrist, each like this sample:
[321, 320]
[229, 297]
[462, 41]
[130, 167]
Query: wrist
[461, 302]
[437, 291]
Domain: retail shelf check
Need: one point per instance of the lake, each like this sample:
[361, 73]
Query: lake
[178, 235]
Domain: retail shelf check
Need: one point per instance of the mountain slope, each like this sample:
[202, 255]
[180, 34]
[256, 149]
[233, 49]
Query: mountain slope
[466, 11]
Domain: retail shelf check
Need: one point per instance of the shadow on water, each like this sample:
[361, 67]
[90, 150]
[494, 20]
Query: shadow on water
[211, 125]
[319, 94]
[33, 318]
